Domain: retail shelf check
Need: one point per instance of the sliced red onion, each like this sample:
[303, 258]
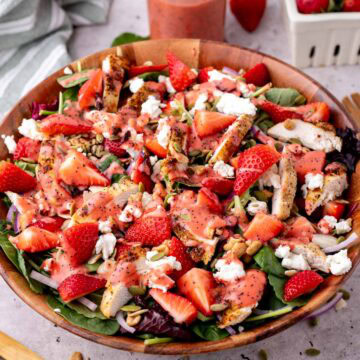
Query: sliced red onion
[44, 279]
[121, 320]
[326, 307]
[13, 217]
[227, 70]
[344, 244]
[230, 330]
[86, 302]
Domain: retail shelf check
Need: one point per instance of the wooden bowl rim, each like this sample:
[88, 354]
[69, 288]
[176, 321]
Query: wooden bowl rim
[330, 286]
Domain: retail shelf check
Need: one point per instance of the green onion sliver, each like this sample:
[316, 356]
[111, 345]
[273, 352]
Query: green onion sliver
[155, 341]
[46, 112]
[271, 314]
[61, 102]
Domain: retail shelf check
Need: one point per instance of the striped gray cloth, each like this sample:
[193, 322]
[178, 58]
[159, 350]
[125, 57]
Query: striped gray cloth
[33, 36]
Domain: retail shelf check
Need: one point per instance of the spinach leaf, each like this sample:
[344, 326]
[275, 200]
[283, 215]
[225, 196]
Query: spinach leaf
[71, 93]
[285, 96]
[152, 76]
[93, 267]
[115, 178]
[278, 284]
[99, 326]
[209, 331]
[83, 310]
[126, 38]
[19, 262]
[268, 262]
[107, 162]
[28, 167]
[71, 80]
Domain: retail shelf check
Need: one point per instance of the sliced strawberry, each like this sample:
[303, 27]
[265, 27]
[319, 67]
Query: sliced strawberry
[218, 185]
[152, 145]
[301, 283]
[80, 241]
[197, 285]
[115, 147]
[34, 239]
[122, 250]
[299, 227]
[204, 74]
[211, 122]
[252, 163]
[314, 112]
[52, 224]
[151, 229]
[310, 162]
[181, 309]
[181, 76]
[210, 200]
[14, 179]
[27, 149]
[66, 125]
[78, 170]
[178, 250]
[276, 112]
[78, 285]
[138, 70]
[258, 75]
[140, 173]
[92, 87]
[334, 208]
[263, 227]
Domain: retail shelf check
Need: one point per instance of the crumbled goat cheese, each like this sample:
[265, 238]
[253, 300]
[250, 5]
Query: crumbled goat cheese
[295, 262]
[343, 226]
[165, 260]
[215, 75]
[229, 271]
[164, 132]
[231, 104]
[105, 245]
[282, 251]
[106, 134]
[314, 181]
[169, 87]
[139, 138]
[105, 226]
[331, 220]
[68, 71]
[270, 178]
[256, 206]
[152, 107]
[244, 88]
[339, 263]
[153, 160]
[136, 84]
[29, 128]
[9, 142]
[146, 199]
[200, 103]
[129, 212]
[224, 170]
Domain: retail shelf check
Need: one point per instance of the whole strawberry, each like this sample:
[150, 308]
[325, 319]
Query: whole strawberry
[248, 13]
[302, 283]
[312, 6]
[351, 5]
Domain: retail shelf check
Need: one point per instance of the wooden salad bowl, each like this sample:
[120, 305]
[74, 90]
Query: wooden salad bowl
[197, 54]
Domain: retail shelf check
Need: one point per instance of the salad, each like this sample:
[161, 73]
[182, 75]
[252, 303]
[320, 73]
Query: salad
[168, 203]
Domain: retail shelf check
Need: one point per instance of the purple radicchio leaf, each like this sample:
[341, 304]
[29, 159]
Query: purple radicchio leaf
[37, 107]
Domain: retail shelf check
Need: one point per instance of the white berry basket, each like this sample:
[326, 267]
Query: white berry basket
[322, 39]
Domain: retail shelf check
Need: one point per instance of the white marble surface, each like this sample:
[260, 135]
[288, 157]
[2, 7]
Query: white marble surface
[336, 336]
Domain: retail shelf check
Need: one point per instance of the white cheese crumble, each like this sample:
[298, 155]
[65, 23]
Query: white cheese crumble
[169, 87]
[139, 138]
[9, 142]
[153, 160]
[229, 271]
[339, 263]
[105, 226]
[106, 65]
[200, 103]
[270, 178]
[152, 107]
[164, 132]
[68, 71]
[282, 251]
[224, 170]
[29, 128]
[343, 226]
[105, 245]
[295, 262]
[129, 212]
[331, 220]
[146, 199]
[257, 206]
[216, 75]
[165, 260]
[136, 84]
[231, 104]
[314, 181]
